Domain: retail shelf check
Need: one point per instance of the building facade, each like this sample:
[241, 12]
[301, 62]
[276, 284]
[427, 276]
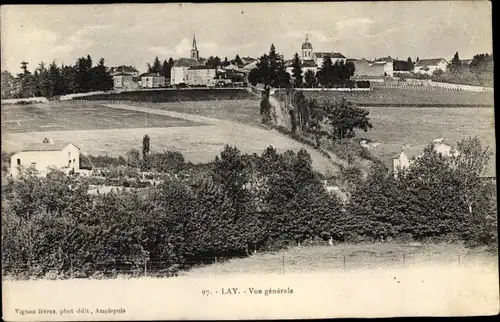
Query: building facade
[152, 80]
[125, 81]
[429, 66]
[43, 156]
[200, 75]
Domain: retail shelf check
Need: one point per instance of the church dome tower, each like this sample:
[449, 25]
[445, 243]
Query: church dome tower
[307, 49]
[195, 54]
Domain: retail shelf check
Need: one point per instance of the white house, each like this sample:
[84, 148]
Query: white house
[42, 156]
[428, 66]
[200, 75]
[152, 80]
[125, 81]
[179, 72]
[409, 154]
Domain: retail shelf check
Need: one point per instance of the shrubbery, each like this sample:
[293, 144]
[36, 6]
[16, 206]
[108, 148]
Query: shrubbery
[239, 203]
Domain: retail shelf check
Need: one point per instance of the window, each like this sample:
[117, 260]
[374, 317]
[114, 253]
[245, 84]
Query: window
[18, 161]
[33, 164]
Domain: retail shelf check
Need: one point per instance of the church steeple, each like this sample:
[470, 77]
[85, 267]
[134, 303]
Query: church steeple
[195, 54]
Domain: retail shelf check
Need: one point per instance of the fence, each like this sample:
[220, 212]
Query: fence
[280, 263]
[431, 85]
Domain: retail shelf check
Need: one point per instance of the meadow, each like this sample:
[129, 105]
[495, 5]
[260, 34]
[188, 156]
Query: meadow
[399, 97]
[74, 117]
[346, 257]
[244, 111]
[175, 95]
[430, 289]
[394, 127]
[198, 144]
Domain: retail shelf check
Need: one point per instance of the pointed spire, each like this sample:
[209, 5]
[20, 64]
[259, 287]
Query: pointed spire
[194, 41]
[307, 36]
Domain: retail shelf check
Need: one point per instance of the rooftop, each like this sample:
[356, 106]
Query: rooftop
[55, 146]
[186, 62]
[429, 62]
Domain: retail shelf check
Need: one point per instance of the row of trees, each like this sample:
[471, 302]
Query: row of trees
[478, 72]
[271, 71]
[241, 203]
[54, 80]
[163, 68]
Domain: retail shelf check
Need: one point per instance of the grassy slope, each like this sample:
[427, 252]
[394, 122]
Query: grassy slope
[70, 116]
[393, 127]
[404, 97]
[325, 258]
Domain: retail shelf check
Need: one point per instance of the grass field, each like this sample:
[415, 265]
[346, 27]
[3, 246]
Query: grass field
[197, 143]
[431, 288]
[69, 117]
[404, 97]
[241, 111]
[393, 127]
[368, 256]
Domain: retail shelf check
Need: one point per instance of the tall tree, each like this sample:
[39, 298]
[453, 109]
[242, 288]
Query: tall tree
[156, 67]
[237, 60]
[456, 64]
[344, 117]
[297, 71]
[213, 62]
[409, 63]
[145, 146]
[310, 78]
[165, 69]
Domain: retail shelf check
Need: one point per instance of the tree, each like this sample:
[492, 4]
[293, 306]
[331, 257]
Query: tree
[310, 78]
[297, 71]
[253, 76]
[8, 85]
[213, 62]
[344, 117]
[456, 60]
[263, 67]
[469, 163]
[166, 69]
[145, 146]
[237, 60]
[226, 62]
[410, 64]
[156, 67]
[326, 73]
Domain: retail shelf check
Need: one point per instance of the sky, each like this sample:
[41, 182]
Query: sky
[133, 34]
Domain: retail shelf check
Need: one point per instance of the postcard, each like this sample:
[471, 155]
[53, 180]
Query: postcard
[191, 161]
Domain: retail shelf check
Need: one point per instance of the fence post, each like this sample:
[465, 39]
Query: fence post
[404, 260]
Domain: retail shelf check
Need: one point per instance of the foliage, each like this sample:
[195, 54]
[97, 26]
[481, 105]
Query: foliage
[335, 74]
[237, 203]
[54, 80]
[271, 69]
[297, 71]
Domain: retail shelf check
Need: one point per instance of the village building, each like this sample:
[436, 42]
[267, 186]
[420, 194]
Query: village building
[152, 80]
[126, 82]
[124, 69]
[179, 73]
[199, 75]
[409, 154]
[429, 66]
[42, 157]
[366, 69]
[311, 60]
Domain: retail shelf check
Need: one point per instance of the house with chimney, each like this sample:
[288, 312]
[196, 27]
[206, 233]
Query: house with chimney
[43, 156]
